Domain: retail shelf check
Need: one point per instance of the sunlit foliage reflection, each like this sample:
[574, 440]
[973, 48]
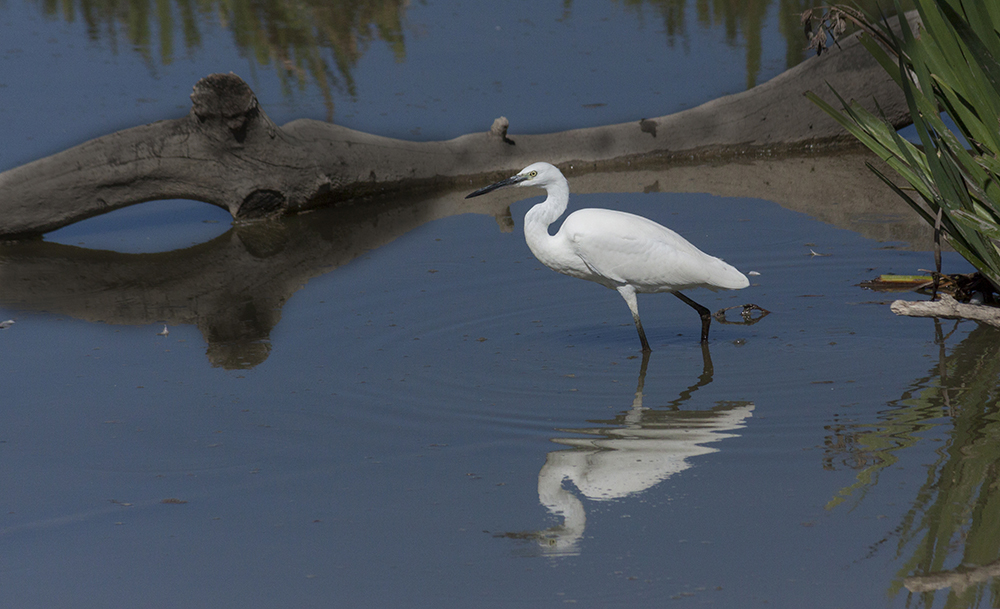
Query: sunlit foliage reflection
[320, 42]
[305, 41]
[743, 22]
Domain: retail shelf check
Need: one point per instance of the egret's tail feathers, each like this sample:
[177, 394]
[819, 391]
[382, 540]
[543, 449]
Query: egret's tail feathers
[733, 280]
[723, 276]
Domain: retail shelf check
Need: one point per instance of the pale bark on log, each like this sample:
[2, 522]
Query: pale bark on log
[227, 152]
[948, 308]
[958, 580]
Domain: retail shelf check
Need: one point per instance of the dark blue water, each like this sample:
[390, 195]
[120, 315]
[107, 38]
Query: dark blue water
[389, 449]
[440, 420]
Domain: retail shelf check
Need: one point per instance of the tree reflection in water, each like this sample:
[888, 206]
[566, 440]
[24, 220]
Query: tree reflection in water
[955, 516]
[320, 43]
[299, 39]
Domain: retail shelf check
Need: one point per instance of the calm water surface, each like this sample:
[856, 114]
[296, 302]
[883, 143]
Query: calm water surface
[400, 407]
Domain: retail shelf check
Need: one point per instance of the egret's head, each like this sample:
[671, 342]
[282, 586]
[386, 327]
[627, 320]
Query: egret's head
[536, 174]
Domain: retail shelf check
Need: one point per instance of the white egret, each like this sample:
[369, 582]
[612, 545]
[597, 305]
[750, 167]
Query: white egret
[618, 250]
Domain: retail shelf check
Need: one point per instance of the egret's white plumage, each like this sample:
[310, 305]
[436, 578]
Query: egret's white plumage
[618, 250]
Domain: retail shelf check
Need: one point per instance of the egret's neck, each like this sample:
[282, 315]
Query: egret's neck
[539, 217]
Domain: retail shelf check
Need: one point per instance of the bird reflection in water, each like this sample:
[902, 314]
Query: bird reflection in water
[637, 450]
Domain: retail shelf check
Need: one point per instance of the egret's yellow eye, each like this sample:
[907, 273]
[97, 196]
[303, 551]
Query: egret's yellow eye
[532, 174]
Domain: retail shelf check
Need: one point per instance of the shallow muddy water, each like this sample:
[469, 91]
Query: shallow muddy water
[398, 406]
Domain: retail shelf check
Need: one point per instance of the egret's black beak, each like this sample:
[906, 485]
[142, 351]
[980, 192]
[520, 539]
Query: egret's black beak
[500, 184]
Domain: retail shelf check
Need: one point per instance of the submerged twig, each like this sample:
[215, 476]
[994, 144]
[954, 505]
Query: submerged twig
[833, 21]
[746, 314]
[937, 253]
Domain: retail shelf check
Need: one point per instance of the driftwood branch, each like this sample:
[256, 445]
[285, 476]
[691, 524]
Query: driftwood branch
[958, 580]
[227, 151]
[948, 308]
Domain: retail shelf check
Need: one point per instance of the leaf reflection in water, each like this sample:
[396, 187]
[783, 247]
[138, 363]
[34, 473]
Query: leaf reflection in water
[635, 451]
[953, 517]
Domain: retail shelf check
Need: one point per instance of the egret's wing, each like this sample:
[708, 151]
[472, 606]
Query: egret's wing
[629, 249]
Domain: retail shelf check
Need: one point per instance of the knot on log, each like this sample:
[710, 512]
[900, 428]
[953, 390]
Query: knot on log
[228, 98]
[499, 129]
[261, 203]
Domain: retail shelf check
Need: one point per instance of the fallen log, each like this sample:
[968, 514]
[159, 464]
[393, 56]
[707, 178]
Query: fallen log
[227, 151]
[233, 288]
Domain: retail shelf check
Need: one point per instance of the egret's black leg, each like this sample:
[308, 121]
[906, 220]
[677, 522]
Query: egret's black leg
[706, 315]
[642, 334]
